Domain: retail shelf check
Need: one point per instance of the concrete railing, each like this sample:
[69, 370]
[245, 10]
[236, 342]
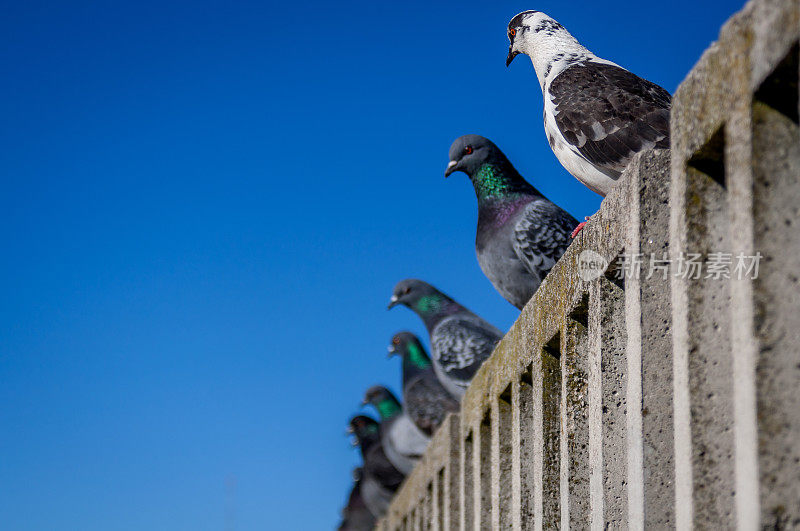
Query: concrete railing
[658, 399]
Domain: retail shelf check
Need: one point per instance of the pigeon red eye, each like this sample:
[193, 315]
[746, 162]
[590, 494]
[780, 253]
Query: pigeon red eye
[468, 150]
[512, 32]
[396, 341]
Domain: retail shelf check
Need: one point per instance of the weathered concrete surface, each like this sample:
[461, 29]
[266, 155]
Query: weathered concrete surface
[648, 313]
[607, 404]
[776, 207]
[718, 360]
[653, 402]
[574, 426]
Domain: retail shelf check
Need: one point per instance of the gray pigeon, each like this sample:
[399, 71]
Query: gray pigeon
[380, 479]
[521, 234]
[425, 400]
[460, 340]
[356, 516]
[403, 443]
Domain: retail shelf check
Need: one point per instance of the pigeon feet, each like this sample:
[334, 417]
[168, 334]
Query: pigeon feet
[579, 227]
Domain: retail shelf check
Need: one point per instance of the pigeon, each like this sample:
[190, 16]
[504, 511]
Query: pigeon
[403, 443]
[425, 400]
[460, 340]
[356, 515]
[521, 234]
[379, 479]
[597, 115]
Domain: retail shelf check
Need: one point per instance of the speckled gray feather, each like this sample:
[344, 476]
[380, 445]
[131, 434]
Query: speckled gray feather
[461, 344]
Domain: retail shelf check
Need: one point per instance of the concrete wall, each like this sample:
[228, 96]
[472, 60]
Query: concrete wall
[656, 400]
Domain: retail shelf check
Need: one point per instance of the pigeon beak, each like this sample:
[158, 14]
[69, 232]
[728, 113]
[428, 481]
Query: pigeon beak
[391, 350]
[451, 167]
[511, 55]
[394, 301]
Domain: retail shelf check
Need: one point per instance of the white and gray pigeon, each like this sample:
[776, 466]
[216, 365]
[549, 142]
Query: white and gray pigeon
[521, 234]
[460, 340]
[425, 400]
[403, 442]
[597, 115]
[379, 478]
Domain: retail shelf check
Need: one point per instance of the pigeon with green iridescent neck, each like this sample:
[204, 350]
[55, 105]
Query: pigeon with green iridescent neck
[460, 340]
[402, 441]
[356, 516]
[380, 479]
[521, 234]
[425, 400]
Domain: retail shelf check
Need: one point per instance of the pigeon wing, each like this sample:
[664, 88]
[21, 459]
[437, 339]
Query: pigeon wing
[427, 403]
[609, 114]
[378, 466]
[460, 346]
[542, 235]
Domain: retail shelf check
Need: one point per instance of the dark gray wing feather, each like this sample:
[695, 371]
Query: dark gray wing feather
[378, 466]
[542, 235]
[610, 114]
[427, 402]
[460, 346]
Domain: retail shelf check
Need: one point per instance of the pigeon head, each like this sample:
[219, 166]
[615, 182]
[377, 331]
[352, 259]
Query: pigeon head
[415, 360]
[469, 153]
[383, 400]
[363, 427]
[490, 171]
[416, 294]
[543, 39]
[425, 300]
[409, 346]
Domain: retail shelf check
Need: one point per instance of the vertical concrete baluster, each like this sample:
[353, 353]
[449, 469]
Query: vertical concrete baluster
[504, 448]
[452, 493]
[774, 370]
[700, 224]
[530, 452]
[652, 316]
[483, 474]
[515, 441]
[496, 479]
[595, 410]
[646, 340]
[574, 427]
[468, 482]
[436, 498]
[547, 415]
[427, 507]
[607, 405]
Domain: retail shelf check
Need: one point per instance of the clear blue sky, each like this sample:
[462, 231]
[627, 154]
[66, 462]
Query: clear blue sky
[204, 208]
